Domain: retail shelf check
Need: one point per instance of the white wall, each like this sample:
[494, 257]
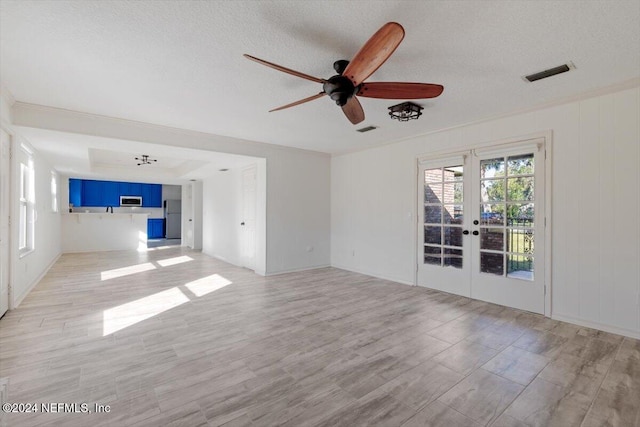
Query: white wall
[297, 187]
[28, 269]
[95, 232]
[595, 205]
[25, 272]
[221, 210]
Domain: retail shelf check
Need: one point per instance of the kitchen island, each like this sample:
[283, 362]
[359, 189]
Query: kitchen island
[90, 232]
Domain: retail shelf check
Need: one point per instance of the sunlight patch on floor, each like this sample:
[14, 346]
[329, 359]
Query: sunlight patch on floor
[207, 284]
[175, 260]
[125, 271]
[125, 315]
[142, 241]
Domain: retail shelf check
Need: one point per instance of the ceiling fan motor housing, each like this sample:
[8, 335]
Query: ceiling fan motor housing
[340, 89]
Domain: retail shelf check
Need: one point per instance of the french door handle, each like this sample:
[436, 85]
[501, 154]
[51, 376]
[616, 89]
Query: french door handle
[465, 232]
[476, 232]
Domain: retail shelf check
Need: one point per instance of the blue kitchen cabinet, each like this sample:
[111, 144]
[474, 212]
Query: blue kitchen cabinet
[156, 195]
[75, 192]
[155, 228]
[136, 189]
[110, 193]
[130, 188]
[123, 189]
[92, 193]
[152, 195]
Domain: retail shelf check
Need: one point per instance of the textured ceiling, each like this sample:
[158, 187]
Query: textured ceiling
[180, 64]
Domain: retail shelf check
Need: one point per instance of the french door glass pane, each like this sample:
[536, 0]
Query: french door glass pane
[492, 214]
[452, 258]
[432, 235]
[433, 193]
[433, 214]
[520, 240]
[432, 255]
[520, 214]
[492, 190]
[453, 173]
[433, 175]
[520, 189]
[443, 213]
[520, 266]
[453, 192]
[452, 236]
[520, 165]
[452, 214]
[492, 239]
[492, 263]
[491, 168]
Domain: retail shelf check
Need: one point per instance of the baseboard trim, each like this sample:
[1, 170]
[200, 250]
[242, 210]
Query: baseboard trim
[228, 261]
[369, 273]
[596, 325]
[33, 284]
[296, 270]
[223, 259]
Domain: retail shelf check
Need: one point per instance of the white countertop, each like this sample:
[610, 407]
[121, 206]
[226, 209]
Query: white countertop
[105, 213]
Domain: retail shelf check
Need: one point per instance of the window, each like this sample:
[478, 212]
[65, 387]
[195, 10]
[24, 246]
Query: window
[54, 192]
[27, 204]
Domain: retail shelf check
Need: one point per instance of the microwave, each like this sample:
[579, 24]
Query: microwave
[130, 201]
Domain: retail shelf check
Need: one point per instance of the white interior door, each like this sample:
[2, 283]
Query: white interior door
[5, 164]
[482, 225]
[248, 222]
[187, 216]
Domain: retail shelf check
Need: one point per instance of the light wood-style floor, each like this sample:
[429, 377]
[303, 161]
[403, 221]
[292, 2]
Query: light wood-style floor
[173, 337]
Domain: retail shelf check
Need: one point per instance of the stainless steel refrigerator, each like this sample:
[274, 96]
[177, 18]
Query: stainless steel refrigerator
[172, 218]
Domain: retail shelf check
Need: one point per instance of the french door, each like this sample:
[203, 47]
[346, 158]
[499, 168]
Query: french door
[481, 216]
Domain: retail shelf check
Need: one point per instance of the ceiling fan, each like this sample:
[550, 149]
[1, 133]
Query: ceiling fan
[349, 82]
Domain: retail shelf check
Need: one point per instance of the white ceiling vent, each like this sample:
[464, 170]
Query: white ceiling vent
[550, 72]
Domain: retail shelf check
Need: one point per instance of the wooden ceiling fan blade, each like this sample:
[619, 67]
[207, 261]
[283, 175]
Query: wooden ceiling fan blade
[353, 110]
[399, 90]
[374, 52]
[302, 101]
[284, 69]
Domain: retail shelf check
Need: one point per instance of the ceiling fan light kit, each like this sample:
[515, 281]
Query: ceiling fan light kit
[405, 111]
[349, 82]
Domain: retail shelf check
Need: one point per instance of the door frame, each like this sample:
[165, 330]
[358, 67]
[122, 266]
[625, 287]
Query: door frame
[12, 252]
[547, 136]
[248, 262]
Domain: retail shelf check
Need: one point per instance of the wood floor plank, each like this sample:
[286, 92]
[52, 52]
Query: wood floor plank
[172, 337]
